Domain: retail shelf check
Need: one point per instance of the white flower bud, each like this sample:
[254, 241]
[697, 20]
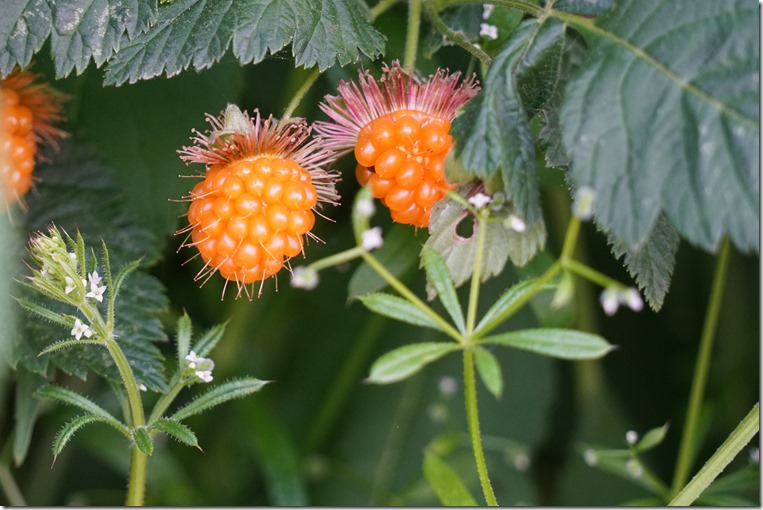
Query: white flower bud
[372, 239]
[584, 203]
[304, 278]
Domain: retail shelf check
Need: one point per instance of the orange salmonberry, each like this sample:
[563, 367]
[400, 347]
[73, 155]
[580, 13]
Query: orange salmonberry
[27, 110]
[399, 135]
[250, 213]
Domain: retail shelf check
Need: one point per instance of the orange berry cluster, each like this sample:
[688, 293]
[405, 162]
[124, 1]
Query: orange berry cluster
[18, 145]
[249, 216]
[401, 155]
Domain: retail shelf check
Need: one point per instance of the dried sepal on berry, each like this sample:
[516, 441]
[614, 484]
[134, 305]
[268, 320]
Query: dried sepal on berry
[399, 130]
[29, 108]
[257, 199]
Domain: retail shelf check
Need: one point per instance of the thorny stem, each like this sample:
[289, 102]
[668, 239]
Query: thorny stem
[412, 34]
[688, 446]
[309, 81]
[737, 440]
[457, 37]
[473, 423]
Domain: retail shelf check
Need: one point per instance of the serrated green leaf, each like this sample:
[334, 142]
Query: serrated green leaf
[143, 440]
[399, 253]
[73, 398]
[206, 342]
[489, 370]
[220, 394]
[64, 344]
[652, 438]
[184, 330]
[445, 482]
[439, 277]
[557, 343]
[196, 33]
[539, 68]
[176, 430]
[493, 134]
[464, 19]
[399, 309]
[94, 29]
[501, 242]
[67, 432]
[405, 361]
[650, 262]
[24, 27]
[506, 305]
[53, 317]
[688, 147]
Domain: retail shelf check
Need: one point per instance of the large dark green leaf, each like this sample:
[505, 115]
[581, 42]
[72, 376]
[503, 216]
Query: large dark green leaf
[583, 6]
[664, 116]
[196, 33]
[493, 134]
[80, 30]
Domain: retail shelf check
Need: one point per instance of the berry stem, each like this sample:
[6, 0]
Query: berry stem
[457, 37]
[473, 422]
[412, 34]
[300, 94]
[688, 445]
[382, 7]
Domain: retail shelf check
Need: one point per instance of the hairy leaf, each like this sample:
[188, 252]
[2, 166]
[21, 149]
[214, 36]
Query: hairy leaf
[399, 309]
[67, 432]
[445, 482]
[489, 370]
[405, 361]
[650, 262]
[557, 343]
[184, 330]
[208, 340]
[176, 430]
[143, 440]
[439, 277]
[664, 116]
[73, 398]
[196, 33]
[237, 388]
[493, 134]
[459, 252]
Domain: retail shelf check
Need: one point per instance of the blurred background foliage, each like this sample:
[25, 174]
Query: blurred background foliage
[318, 435]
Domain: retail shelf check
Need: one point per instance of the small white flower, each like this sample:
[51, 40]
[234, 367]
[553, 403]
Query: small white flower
[590, 457]
[634, 468]
[516, 223]
[487, 10]
[93, 278]
[631, 437]
[80, 329]
[584, 203]
[609, 300]
[193, 358]
[632, 299]
[70, 285]
[480, 200]
[304, 278]
[365, 207]
[142, 387]
[204, 375]
[372, 239]
[521, 461]
[96, 292]
[447, 386]
[489, 31]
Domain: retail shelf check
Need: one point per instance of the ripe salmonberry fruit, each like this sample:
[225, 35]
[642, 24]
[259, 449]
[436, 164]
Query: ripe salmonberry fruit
[399, 130]
[28, 109]
[256, 201]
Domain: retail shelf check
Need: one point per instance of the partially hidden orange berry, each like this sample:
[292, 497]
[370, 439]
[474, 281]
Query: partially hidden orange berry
[27, 110]
[255, 206]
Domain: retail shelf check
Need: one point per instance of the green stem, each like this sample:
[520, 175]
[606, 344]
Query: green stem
[382, 7]
[337, 258]
[591, 274]
[457, 37]
[473, 422]
[136, 487]
[687, 448]
[738, 439]
[474, 290]
[10, 487]
[164, 402]
[412, 34]
[410, 296]
[309, 81]
[570, 239]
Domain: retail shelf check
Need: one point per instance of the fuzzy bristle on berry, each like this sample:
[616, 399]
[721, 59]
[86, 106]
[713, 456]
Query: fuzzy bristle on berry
[399, 129]
[28, 110]
[257, 199]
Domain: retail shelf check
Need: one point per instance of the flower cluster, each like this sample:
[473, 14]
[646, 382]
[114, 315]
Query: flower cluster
[611, 298]
[198, 369]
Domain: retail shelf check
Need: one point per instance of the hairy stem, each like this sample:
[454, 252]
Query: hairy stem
[136, 487]
[457, 37]
[738, 439]
[473, 422]
[412, 34]
[688, 446]
[300, 94]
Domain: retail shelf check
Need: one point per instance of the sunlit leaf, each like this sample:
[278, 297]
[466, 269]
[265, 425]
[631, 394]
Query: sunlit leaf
[405, 361]
[439, 277]
[507, 304]
[557, 343]
[679, 129]
[489, 371]
[399, 309]
[445, 482]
